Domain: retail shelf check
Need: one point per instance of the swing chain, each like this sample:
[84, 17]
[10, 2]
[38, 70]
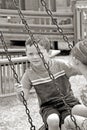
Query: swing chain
[9, 57]
[16, 78]
[33, 41]
[54, 21]
[44, 62]
[70, 47]
[28, 112]
[37, 47]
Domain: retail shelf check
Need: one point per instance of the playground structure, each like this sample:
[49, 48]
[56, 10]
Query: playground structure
[39, 22]
[71, 20]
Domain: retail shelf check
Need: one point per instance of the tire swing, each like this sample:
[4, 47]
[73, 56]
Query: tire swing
[32, 127]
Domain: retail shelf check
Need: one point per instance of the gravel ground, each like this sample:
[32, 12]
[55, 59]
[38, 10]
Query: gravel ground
[12, 111]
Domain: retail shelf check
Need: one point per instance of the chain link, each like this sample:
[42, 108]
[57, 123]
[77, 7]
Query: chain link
[70, 47]
[54, 21]
[28, 112]
[41, 55]
[16, 78]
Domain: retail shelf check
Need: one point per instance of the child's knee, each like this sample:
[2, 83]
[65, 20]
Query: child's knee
[53, 120]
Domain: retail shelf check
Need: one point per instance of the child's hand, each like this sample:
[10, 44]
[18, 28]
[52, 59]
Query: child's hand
[84, 95]
[18, 88]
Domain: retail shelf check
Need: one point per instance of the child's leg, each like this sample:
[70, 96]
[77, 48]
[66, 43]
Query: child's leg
[80, 121]
[53, 122]
[80, 110]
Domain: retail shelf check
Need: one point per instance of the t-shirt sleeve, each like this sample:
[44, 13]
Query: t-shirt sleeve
[26, 81]
[69, 69]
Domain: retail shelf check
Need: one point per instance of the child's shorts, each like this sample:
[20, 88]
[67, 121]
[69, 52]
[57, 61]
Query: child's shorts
[48, 111]
[59, 109]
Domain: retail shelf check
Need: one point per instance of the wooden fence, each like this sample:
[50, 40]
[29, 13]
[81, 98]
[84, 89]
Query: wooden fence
[7, 79]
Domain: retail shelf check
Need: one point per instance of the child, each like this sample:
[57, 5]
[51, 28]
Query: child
[52, 108]
[79, 52]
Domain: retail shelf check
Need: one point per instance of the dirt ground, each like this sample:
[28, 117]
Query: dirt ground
[12, 111]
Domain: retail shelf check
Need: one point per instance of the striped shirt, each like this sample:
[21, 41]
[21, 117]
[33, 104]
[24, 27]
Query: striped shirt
[45, 88]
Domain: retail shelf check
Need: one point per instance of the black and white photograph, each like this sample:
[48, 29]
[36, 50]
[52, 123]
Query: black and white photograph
[43, 64]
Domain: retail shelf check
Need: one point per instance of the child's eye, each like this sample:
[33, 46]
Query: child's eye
[31, 54]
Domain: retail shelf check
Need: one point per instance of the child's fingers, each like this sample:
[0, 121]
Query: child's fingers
[18, 87]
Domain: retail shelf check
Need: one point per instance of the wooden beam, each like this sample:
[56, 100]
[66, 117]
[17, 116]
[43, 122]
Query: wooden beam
[60, 13]
[23, 37]
[35, 26]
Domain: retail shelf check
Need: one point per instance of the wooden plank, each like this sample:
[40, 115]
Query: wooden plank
[8, 86]
[4, 77]
[34, 26]
[8, 95]
[49, 33]
[0, 79]
[23, 37]
[14, 60]
[12, 50]
[60, 13]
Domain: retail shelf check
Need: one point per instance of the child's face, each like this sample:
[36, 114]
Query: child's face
[34, 57]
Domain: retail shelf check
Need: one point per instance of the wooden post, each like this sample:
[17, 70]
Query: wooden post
[68, 3]
[22, 4]
[78, 26]
[72, 4]
[0, 80]
[31, 5]
[76, 19]
[82, 26]
[3, 4]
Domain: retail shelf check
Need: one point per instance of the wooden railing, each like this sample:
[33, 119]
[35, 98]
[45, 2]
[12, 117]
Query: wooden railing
[7, 79]
[13, 52]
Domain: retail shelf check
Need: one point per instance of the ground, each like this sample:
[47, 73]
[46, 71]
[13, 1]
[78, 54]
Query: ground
[12, 111]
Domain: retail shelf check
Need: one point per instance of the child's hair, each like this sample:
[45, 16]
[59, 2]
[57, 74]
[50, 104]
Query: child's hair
[79, 51]
[40, 40]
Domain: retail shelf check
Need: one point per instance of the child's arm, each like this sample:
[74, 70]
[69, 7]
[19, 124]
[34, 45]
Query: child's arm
[69, 68]
[82, 68]
[24, 86]
[79, 56]
[19, 89]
